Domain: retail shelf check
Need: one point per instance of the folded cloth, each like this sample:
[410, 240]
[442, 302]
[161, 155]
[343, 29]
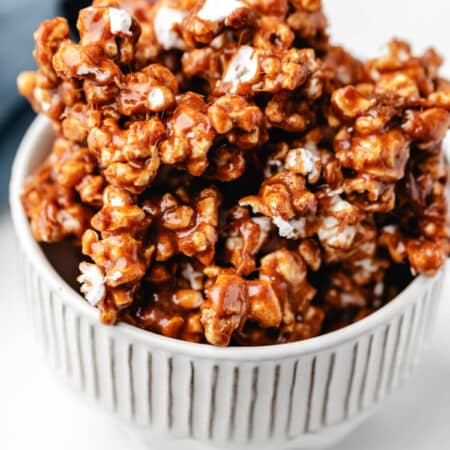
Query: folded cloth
[9, 141]
[18, 20]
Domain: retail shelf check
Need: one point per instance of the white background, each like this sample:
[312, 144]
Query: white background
[37, 411]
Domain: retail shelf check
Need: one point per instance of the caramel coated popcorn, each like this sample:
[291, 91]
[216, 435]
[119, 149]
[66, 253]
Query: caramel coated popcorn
[229, 175]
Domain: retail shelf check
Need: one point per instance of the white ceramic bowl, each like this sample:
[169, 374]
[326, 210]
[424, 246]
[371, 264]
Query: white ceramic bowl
[179, 395]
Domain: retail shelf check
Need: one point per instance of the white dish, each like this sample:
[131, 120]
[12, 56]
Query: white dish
[302, 395]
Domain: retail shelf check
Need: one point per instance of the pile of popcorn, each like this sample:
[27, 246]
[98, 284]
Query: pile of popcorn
[231, 176]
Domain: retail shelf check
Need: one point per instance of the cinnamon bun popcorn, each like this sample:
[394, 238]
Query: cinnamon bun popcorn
[231, 177]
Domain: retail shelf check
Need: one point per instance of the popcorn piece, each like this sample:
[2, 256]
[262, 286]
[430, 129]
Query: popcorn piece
[165, 23]
[333, 234]
[213, 11]
[292, 229]
[241, 121]
[210, 18]
[53, 209]
[243, 70]
[265, 307]
[190, 135]
[74, 61]
[120, 21]
[92, 283]
[225, 310]
[194, 278]
[112, 29]
[152, 89]
[253, 70]
[305, 161]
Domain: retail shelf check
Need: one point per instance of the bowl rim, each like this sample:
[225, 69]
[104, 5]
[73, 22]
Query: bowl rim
[40, 127]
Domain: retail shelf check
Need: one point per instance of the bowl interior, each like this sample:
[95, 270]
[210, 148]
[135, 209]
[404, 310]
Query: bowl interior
[64, 258]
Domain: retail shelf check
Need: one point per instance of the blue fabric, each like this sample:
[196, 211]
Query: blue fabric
[18, 20]
[9, 141]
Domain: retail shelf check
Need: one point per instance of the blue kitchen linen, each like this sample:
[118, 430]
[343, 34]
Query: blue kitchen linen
[18, 20]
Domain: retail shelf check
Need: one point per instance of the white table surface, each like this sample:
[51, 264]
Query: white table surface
[38, 411]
